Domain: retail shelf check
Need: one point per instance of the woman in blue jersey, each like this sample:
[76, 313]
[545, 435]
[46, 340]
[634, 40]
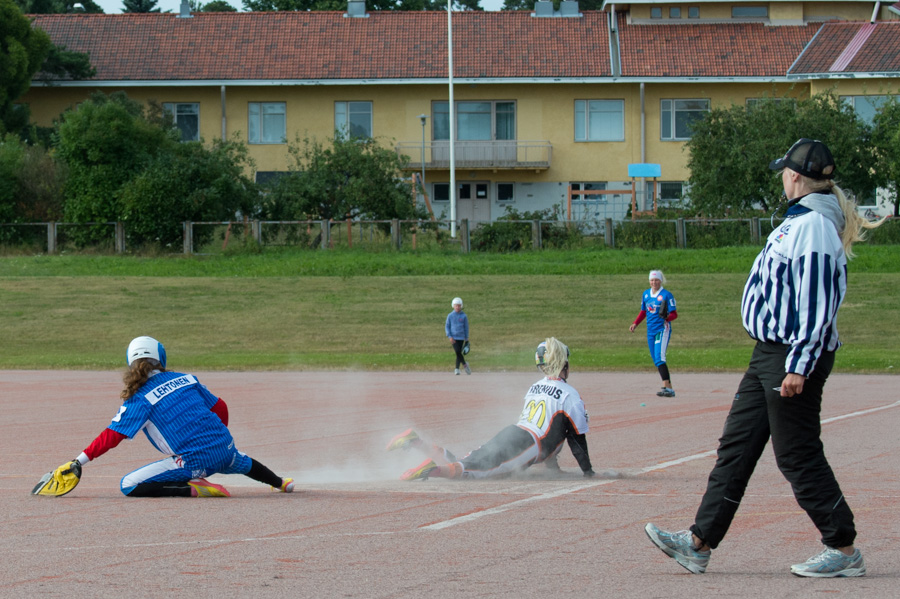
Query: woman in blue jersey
[658, 307]
[456, 327]
[182, 419]
[789, 307]
[553, 414]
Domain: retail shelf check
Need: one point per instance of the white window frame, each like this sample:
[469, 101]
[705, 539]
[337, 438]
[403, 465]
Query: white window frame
[587, 111]
[359, 113]
[258, 134]
[180, 112]
[668, 116]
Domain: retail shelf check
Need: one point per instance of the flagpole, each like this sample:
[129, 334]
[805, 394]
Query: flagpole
[452, 120]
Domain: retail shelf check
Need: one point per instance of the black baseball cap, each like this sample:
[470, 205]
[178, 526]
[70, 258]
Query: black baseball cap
[809, 157]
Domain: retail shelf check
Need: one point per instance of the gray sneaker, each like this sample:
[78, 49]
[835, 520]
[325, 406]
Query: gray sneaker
[468, 370]
[666, 392]
[456, 371]
[831, 563]
[680, 546]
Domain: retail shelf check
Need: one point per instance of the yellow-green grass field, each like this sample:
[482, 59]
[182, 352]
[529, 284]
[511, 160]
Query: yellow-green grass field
[355, 311]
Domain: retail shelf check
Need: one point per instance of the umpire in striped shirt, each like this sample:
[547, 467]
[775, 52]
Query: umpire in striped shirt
[789, 307]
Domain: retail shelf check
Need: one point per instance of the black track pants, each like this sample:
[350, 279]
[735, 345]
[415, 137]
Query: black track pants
[758, 412]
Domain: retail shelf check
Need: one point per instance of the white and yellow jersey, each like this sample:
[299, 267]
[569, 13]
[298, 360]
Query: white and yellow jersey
[553, 412]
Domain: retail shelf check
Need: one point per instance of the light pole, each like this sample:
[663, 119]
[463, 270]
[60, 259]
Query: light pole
[423, 118]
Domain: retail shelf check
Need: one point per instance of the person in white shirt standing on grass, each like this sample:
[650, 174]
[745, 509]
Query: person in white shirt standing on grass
[789, 307]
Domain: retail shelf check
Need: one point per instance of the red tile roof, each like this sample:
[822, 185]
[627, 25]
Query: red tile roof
[329, 45]
[711, 50]
[876, 52]
[325, 46]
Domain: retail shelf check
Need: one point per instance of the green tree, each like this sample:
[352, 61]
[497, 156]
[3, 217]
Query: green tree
[189, 183]
[22, 52]
[353, 178]
[217, 6]
[50, 7]
[31, 184]
[886, 143]
[106, 143]
[139, 6]
[730, 149]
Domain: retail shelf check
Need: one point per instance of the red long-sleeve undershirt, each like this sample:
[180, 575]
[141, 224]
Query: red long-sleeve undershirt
[643, 314]
[109, 438]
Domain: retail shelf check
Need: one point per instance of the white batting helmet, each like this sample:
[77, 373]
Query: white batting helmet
[145, 347]
[457, 301]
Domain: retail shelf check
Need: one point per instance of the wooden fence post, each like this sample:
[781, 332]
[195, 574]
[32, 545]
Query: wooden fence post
[51, 238]
[680, 234]
[464, 235]
[188, 237]
[120, 237]
[326, 233]
[395, 233]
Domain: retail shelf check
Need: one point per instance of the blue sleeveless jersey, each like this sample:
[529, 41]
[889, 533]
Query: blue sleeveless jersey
[173, 410]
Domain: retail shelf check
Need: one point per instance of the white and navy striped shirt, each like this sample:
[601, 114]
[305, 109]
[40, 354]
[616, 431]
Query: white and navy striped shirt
[795, 288]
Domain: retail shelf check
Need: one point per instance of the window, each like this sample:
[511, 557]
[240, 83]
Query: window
[599, 120]
[655, 12]
[596, 198]
[267, 123]
[693, 12]
[270, 178]
[865, 106]
[506, 192]
[353, 118]
[441, 192]
[674, 12]
[749, 12]
[476, 121]
[187, 118]
[676, 117]
[670, 191]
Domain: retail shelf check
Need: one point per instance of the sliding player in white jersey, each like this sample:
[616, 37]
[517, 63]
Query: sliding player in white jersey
[553, 413]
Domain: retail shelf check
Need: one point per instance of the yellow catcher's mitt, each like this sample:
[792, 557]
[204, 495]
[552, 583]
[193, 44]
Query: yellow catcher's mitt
[60, 481]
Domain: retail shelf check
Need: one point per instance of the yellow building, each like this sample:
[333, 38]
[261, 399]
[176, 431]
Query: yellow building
[544, 101]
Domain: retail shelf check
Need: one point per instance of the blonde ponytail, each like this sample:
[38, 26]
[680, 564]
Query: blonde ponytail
[854, 225]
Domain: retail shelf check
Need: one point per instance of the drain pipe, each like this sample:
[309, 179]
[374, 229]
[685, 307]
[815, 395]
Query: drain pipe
[643, 145]
[224, 122]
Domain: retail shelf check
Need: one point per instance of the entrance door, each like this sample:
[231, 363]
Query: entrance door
[473, 202]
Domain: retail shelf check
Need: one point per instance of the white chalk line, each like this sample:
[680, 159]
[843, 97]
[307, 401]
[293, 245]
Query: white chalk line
[574, 489]
[437, 525]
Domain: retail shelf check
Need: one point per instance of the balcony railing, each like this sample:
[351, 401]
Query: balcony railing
[474, 155]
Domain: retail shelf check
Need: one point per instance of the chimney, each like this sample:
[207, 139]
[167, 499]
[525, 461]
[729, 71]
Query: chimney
[356, 9]
[184, 11]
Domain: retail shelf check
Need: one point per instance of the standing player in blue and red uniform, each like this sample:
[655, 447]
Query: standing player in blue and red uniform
[182, 419]
[658, 306]
[553, 414]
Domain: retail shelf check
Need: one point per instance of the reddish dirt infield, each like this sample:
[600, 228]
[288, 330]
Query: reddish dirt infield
[355, 530]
